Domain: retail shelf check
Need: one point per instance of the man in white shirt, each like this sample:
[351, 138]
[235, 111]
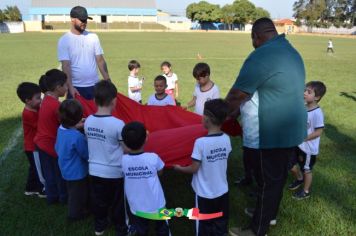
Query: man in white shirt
[80, 53]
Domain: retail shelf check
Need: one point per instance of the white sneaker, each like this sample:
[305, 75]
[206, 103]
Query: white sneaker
[273, 222]
[29, 193]
[99, 233]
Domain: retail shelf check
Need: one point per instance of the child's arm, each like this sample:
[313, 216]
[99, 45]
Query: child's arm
[191, 103]
[192, 169]
[135, 89]
[176, 89]
[317, 133]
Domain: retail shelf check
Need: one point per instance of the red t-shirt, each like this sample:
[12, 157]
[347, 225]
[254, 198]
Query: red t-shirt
[29, 124]
[48, 123]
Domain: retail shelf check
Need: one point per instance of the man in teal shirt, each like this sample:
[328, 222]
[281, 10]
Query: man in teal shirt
[274, 76]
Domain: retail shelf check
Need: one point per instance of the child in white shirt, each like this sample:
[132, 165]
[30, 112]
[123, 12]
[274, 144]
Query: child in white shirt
[209, 165]
[160, 98]
[134, 83]
[142, 186]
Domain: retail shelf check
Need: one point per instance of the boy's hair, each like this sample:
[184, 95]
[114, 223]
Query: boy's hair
[161, 78]
[318, 87]
[70, 113]
[134, 135]
[52, 79]
[26, 91]
[201, 70]
[104, 93]
[216, 110]
[133, 64]
[166, 63]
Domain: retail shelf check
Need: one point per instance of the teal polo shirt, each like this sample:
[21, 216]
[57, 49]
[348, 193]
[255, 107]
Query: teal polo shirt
[276, 72]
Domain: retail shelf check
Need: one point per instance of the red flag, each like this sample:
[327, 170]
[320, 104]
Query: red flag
[172, 130]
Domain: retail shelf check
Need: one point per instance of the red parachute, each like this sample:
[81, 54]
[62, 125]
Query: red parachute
[172, 130]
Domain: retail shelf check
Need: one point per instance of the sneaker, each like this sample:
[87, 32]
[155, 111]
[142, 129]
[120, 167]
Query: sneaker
[97, 233]
[301, 195]
[295, 184]
[273, 222]
[42, 194]
[240, 232]
[243, 182]
[30, 193]
[250, 211]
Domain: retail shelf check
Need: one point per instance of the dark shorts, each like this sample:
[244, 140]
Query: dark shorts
[85, 92]
[306, 162]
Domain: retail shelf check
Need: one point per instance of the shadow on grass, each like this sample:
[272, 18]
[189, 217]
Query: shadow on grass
[338, 184]
[348, 95]
[8, 126]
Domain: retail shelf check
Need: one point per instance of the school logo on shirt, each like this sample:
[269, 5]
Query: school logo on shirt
[138, 172]
[96, 133]
[217, 154]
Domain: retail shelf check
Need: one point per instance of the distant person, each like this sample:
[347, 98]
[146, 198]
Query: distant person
[204, 90]
[142, 185]
[309, 149]
[81, 54]
[103, 132]
[30, 95]
[209, 166]
[172, 80]
[72, 149]
[275, 73]
[160, 98]
[55, 83]
[134, 82]
[330, 46]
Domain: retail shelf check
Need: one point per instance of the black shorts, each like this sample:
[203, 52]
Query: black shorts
[305, 161]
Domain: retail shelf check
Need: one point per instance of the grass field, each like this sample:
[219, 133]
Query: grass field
[330, 211]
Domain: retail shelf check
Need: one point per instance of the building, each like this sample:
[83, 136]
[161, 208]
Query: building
[286, 26]
[35, 12]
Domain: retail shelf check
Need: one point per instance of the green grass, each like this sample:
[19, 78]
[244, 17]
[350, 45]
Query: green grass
[330, 211]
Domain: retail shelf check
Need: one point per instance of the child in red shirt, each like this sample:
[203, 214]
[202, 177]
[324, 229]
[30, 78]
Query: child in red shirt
[55, 83]
[30, 95]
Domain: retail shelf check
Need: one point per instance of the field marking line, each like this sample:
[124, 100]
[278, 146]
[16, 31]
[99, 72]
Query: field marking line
[11, 144]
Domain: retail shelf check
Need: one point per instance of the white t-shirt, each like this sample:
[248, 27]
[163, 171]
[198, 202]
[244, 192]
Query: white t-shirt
[154, 101]
[212, 151]
[81, 50]
[315, 121]
[202, 97]
[330, 44]
[171, 80]
[105, 151]
[142, 186]
[134, 82]
[250, 122]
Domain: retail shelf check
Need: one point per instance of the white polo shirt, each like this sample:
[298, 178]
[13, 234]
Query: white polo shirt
[154, 101]
[202, 97]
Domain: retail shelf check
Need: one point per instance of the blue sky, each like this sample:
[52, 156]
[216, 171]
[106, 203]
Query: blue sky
[277, 8]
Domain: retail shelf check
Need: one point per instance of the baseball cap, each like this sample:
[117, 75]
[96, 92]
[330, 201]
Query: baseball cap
[79, 13]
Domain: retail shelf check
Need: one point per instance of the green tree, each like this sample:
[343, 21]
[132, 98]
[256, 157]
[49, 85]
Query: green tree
[204, 12]
[2, 17]
[12, 13]
[260, 12]
[244, 11]
[228, 15]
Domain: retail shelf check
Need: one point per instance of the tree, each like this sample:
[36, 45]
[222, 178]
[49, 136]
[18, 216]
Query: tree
[12, 13]
[204, 12]
[325, 12]
[260, 12]
[2, 17]
[228, 15]
[244, 11]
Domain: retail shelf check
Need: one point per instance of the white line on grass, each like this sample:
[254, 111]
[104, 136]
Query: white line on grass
[11, 144]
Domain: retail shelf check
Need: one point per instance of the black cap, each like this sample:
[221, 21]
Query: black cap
[79, 13]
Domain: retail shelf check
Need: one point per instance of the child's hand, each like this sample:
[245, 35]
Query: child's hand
[80, 124]
[176, 167]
